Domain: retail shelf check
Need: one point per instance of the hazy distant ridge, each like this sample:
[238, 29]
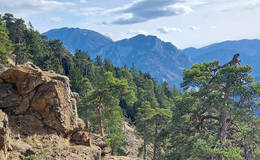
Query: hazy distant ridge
[150, 54]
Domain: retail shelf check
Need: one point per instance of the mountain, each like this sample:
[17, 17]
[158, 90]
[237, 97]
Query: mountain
[249, 51]
[75, 38]
[148, 53]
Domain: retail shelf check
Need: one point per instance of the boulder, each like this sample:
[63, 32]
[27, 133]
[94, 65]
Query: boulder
[26, 77]
[81, 138]
[98, 141]
[47, 95]
[53, 103]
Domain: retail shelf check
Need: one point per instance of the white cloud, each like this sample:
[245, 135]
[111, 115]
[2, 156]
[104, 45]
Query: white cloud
[27, 7]
[195, 28]
[131, 32]
[213, 27]
[145, 10]
[196, 2]
[56, 19]
[88, 11]
[165, 30]
[83, 1]
[241, 5]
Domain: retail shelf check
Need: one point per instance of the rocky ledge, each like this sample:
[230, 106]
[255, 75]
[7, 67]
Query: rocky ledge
[39, 120]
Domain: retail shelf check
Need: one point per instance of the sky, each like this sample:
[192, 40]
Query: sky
[184, 23]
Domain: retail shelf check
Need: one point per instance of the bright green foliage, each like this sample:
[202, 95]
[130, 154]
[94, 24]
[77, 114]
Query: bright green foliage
[106, 98]
[113, 124]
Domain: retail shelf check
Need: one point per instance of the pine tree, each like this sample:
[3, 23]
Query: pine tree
[212, 122]
[5, 43]
[144, 126]
[106, 97]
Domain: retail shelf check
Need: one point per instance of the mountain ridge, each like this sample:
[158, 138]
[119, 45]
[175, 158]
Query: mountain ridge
[161, 59]
[76, 38]
[148, 53]
[249, 50]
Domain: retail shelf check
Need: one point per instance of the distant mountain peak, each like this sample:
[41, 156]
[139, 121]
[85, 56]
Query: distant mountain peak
[76, 38]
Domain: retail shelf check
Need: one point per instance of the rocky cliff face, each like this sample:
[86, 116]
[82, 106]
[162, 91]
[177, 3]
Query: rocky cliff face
[38, 117]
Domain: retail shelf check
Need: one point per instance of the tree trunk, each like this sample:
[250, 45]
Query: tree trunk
[223, 126]
[100, 117]
[144, 156]
[223, 120]
[222, 136]
[154, 143]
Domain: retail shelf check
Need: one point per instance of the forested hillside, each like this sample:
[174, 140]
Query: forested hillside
[213, 118]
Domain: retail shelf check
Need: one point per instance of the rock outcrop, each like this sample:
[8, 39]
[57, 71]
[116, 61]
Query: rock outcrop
[45, 94]
[38, 117]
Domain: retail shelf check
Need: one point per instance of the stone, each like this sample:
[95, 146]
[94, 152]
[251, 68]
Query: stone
[52, 103]
[24, 106]
[26, 124]
[24, 149]
[81, 138]
[98, 141]
[9, 97]
[26, 77]
[106, 151]
[44, 93]
[2, 68]
[4, 134]
[81, 124]
[75, 95]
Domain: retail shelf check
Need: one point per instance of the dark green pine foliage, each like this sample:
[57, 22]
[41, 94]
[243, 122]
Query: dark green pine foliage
[5, 43]
[17, 29]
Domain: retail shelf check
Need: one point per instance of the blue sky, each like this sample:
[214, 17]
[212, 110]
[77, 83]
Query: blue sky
[185, 23]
